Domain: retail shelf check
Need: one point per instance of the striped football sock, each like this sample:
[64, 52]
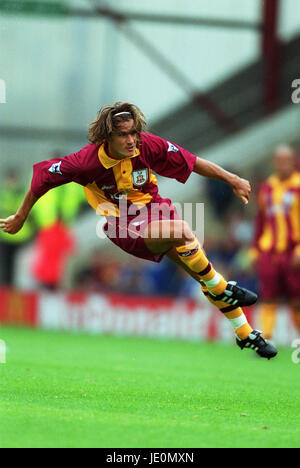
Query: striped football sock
[193, 256]
[235, 316]
[239, 323]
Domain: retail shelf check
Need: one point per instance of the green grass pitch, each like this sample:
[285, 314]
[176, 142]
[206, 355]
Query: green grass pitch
[79, 390]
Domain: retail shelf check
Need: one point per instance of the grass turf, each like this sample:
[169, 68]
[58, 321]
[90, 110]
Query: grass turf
[78, 390]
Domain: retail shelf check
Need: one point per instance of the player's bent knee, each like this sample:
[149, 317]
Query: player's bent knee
[181, 233]
[188, 234]
[177, 232]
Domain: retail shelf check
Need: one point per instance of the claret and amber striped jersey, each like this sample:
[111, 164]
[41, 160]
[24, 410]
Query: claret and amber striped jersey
[107, 181]
[278, 218]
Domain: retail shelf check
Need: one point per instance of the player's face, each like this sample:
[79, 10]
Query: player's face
[284, 163]
[122, 143]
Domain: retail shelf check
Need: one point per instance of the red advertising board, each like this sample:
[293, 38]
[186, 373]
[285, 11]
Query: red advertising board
[18, 308]
[129, 315]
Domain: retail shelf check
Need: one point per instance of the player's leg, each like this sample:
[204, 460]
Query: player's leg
[235, 316]
[246, 336]
[267, 318]
[270, 285]
[295, 307]
[160, 236]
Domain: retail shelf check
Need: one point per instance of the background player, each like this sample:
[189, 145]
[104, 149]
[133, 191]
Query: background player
[116, 171]
[276, 245]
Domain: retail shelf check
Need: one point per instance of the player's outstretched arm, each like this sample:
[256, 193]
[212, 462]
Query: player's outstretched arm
[46, 176]
[14, 223]
[240, 187]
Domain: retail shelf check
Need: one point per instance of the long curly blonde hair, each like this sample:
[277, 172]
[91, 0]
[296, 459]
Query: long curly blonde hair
[107, 121]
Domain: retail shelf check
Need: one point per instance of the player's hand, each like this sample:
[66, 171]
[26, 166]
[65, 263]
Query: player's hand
[242, 189]
[13, 224]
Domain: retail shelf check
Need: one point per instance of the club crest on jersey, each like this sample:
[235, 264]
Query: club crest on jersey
[55, 168]
[172, 148]
[140, 177]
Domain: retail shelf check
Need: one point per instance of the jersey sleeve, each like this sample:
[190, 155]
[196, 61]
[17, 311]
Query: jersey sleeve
[170, 160]
[56, 172]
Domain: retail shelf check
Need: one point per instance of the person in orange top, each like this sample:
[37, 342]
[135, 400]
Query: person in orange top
[276, 244]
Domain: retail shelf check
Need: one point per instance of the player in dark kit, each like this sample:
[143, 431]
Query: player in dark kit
[116, 172]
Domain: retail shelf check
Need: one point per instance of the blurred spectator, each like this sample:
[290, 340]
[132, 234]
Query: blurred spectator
[53, 247]
[102, 273]
[132, 277]
[167, 279]
[241, 227]
[107, 274]
[221, 197]
[11, 197]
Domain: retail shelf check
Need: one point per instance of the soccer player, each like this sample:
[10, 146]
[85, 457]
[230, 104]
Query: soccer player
[116, 172]
[276, 245]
